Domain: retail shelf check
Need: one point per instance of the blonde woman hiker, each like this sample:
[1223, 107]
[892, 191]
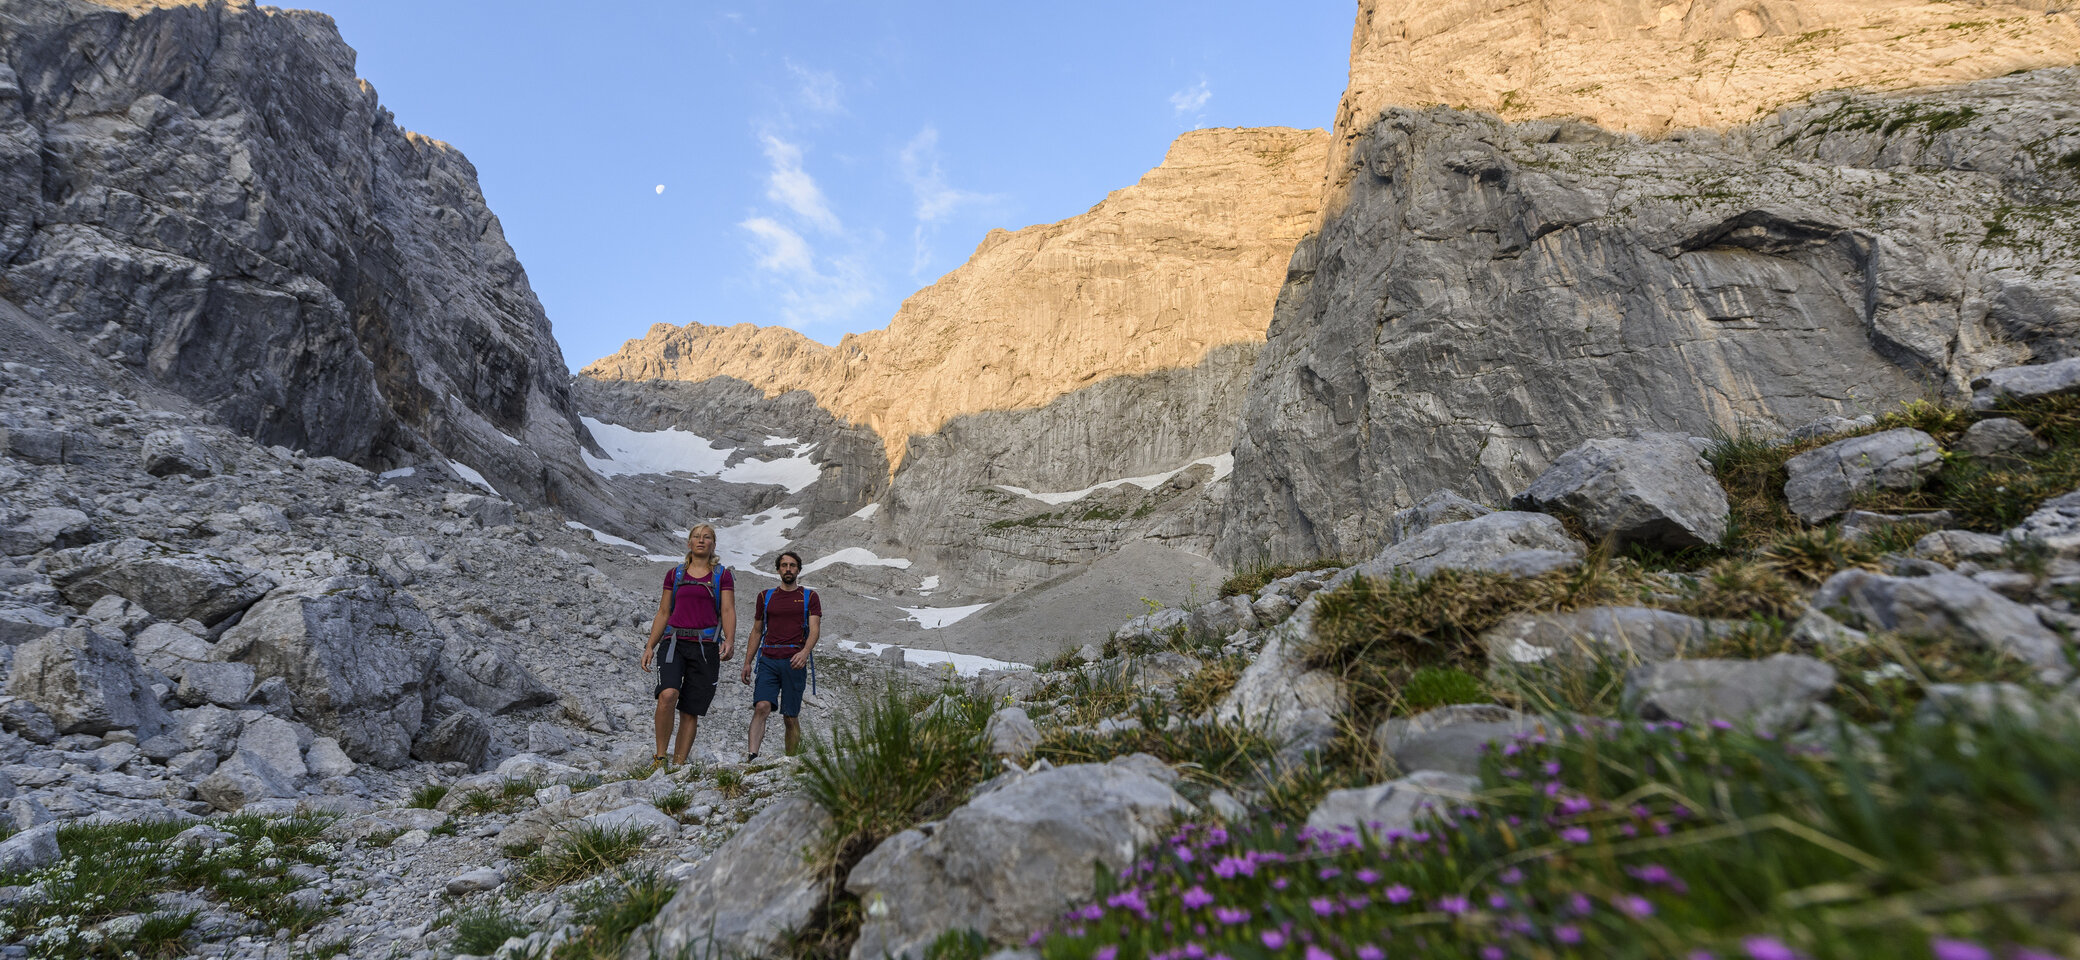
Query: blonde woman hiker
[784, 629]
[697, 624]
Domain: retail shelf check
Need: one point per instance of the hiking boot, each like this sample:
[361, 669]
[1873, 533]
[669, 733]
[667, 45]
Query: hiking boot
[659, 762]
[750, 758]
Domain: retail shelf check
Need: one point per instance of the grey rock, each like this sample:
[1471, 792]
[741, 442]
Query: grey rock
[162, 747]
[1652, 489]
[1152, 626]
[224, 684]
[1470, 544]
[1859, 524]
[2013, 584]
[385, 821]
[1219, 618]
[169, 649]
[486, 511]
[491, 677]
[171, 584]
[2054, 524]
[26, 812]
[1223, 804]
[1393, 805]
[1978, 703]
[1618, 635]
[1271, 609]
[1452, 739]
[1011, 733]
[1951, 546]
[639, 817]
[1997, 436]
[463, 736]
[211, 728]
[46, 528]
[531, 766]
[30, 849]
[2025, 382]
[27, 720]
[762, 884]
[358, 655]
[1773, 695]
[546, 820]
[1525, 564]
[1444, 506]
[326, 760]
[475, 881]
[240, 781]
[1063, 823]
[1281, 695]
[275, 742]
[1480, 297]
[86, 683]
[178, 451]
[1816, 630]
[23, 622]
[35, 444]
[1824, 481]
[547, 738]
[1943, 604]
[191, 764]
[1829, 426]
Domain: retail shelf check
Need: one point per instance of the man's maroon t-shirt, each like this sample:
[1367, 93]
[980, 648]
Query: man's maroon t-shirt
[783, 621]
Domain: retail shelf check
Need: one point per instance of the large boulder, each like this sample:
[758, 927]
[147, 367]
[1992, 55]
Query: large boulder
[169, 649]
[172, 585]
[2022, 383]
[463, 736]
[1009, 861]
[22, 621]
[1011, 733]
[1942, 605]
[1472, 544]
[1652, 489]
[1774, 695]
[45, 528]
[86, 682]
[1825, 481]
[1279, 694]
[1394, 805]
[243, 779]
[490, 677]
[744, 900]
[224, 684]
[1443, 506]
[358, 655]
[178, 451]
[1594, 634]
[2055, 524]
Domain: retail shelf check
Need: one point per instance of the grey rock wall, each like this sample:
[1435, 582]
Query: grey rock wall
[209, 196]
[1494, 294]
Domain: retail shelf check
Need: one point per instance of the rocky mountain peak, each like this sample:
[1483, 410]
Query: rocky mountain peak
[1152, 278]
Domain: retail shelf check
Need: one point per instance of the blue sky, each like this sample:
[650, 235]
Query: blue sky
[820, 161]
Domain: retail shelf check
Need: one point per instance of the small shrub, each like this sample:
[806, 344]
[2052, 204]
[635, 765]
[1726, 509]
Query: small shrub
[730, 782]
[612, 910]
[428, 796]
[582, 852]
[893, 767]
[675, 802]
[1431, 687]
[482, 929]
[1256, 576]
[1738, 588]
[1204, 689]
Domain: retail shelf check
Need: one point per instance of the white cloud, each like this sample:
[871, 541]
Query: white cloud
[809, 294]
[1191, 99]
[779, 249]
[936, 200]
[817, 89]
[791, 186]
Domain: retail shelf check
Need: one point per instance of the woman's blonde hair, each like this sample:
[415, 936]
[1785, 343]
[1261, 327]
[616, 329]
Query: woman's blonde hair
[711, 543]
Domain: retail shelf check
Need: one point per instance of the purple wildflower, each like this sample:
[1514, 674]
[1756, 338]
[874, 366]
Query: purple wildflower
[1230, 867]
[1768, 948]
[1196, 897]
[1317, 953]
[1090, 911]
[1367, 876]
[1324, 907]
[1492, 952]
[1231, 915]
[1497, 901]
[1575, 834]
[1329, 873]
[1106, 953]
[1576, 806]
[1399, 894]
[1273, 940]
[1568, 933]
[1184, 853]
[1635, 905]
[1580, 904]
[1511, 876]
[1454, 905]
[1946, 949]
[1369, 952]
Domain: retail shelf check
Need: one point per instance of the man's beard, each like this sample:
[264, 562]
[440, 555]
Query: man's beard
[788, 578]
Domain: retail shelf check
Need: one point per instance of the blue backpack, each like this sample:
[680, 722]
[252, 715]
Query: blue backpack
[714, 585]
[765, 605]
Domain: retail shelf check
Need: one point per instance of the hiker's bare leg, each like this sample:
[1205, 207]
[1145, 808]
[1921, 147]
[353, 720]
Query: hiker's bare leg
[758, 725]
[794, 733]
[667, 706]
[688, 725]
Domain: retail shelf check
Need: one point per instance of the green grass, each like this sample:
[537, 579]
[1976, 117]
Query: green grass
[1431, 687]
[107, 871]
[1092, 693]
[1256, 576]
[428, 796]
[510, 795]
[1204, 689]
[675, 802]
[582, 852]
[1209, 755]
[1648, 843]
[482, 929]
[610, 910]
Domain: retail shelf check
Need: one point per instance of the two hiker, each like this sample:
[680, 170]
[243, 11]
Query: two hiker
[696, 627]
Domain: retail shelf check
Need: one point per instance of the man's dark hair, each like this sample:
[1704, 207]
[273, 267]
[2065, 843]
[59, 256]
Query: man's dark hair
[784, 555]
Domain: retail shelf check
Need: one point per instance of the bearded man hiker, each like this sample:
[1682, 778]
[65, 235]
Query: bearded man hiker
[786, 625]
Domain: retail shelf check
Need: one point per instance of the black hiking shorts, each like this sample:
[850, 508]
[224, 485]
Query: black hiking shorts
[693, 671]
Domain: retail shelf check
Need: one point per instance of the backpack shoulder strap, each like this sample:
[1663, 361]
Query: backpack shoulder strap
[764, 614]
[715, 589]
[807, 595]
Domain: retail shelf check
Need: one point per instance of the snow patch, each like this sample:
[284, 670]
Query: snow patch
[614, 541]
[930, 584]
[858, 557]
[865, 512]
[472, 476]
[932, 618]
[676, 451]
[781, 441]
[741, 544]
[1222, 465]
[964, 664]
[509, 438]
[397, 473]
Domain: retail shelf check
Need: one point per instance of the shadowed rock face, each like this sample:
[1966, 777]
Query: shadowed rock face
[1494, 294]
[210, 196]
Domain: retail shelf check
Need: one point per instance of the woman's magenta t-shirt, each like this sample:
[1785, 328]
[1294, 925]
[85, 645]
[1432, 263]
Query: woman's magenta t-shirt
[693, 608]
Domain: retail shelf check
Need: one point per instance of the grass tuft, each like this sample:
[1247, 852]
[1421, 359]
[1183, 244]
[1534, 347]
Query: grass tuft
[428, 796]
[582, 852]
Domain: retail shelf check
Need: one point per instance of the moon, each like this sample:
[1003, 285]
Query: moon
[660, 188]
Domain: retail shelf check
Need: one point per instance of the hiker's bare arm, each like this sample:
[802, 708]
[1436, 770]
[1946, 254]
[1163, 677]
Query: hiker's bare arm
[664, 611]
[729, 623]
[801, 658]
[751, 649]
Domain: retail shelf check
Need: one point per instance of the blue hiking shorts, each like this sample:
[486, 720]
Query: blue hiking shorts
[780, 684]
